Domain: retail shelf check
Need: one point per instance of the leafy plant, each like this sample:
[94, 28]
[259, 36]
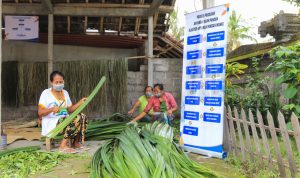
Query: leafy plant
[257, 90]
[27, 161]
[287, 63]
[295, 2]
[233, 69]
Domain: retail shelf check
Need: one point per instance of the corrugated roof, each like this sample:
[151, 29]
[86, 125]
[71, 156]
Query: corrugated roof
[114, 19]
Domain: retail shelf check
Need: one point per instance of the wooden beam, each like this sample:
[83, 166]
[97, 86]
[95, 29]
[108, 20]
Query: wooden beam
[120, 21]
[154, 7]
[69, 21]
[48, 5]
[101, 29]
[135, 27]
[85, 24]
[109, 5]
[120, 25]
[107, 10]
[101, 22]
[171, 47]
[85, 19]
[165, 40]
[69, 24]
[155, 19]
[138, 21]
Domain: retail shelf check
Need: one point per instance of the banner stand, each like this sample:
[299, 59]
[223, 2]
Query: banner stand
[222, 155]
[203, 81]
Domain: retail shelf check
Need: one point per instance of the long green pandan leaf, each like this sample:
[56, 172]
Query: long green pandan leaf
[16, 150]
[69, 119]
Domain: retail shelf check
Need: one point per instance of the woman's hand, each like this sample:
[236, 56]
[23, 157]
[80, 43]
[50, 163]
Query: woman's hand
[130, 112]
[75, 106]
[55, 109]
[170, 112]
[82, 100]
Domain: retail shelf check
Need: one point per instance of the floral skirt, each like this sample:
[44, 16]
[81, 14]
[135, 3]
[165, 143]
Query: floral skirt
[75, 128]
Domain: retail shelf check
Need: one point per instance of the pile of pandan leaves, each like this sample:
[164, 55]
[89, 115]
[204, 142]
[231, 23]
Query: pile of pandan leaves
[142, 152]
[27, 161]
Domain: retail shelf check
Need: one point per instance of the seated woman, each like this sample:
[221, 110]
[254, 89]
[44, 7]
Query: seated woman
[55, 105]
[142, 101]
[163, 105]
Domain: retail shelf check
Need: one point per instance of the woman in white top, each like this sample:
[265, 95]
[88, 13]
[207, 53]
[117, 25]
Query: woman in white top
[55, 105]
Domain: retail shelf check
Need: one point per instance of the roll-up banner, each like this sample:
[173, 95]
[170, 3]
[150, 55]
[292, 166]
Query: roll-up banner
[21, 27]
[203, 81]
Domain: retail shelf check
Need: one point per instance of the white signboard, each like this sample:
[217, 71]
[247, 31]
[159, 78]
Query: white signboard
[21, 27]
[203, 81]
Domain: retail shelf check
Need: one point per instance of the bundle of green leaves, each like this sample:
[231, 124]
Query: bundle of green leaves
[146, 152]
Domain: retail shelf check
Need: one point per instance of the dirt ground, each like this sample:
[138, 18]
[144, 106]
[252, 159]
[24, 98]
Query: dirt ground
[79, 168]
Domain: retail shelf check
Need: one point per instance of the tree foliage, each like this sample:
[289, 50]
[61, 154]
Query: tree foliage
[238, 30]
[295, 2]
[175, 29]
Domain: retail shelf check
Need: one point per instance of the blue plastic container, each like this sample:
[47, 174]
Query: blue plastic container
[3, 144]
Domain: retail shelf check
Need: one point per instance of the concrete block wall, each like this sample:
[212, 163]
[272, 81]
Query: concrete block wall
[167, 71]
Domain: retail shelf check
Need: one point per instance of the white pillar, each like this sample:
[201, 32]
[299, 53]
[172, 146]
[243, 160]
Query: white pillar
[150, 50]
[208, 3]
[50, 46]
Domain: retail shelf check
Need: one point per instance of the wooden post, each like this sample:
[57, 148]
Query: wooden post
[232, 132]
[236, 115]
[248, 141]
[226, 135]
[287, 144]
[296, 127]
[48, 144]
[264, 139]
[150, 50]
[50, 46]
[255, 137]
[276, 145]
[69, 21]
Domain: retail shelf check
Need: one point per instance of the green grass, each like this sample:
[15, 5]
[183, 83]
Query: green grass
[253, 169]
[262, 170]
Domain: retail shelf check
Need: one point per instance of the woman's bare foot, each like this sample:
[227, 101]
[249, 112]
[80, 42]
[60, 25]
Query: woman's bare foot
[77, 145]
[65, 148]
